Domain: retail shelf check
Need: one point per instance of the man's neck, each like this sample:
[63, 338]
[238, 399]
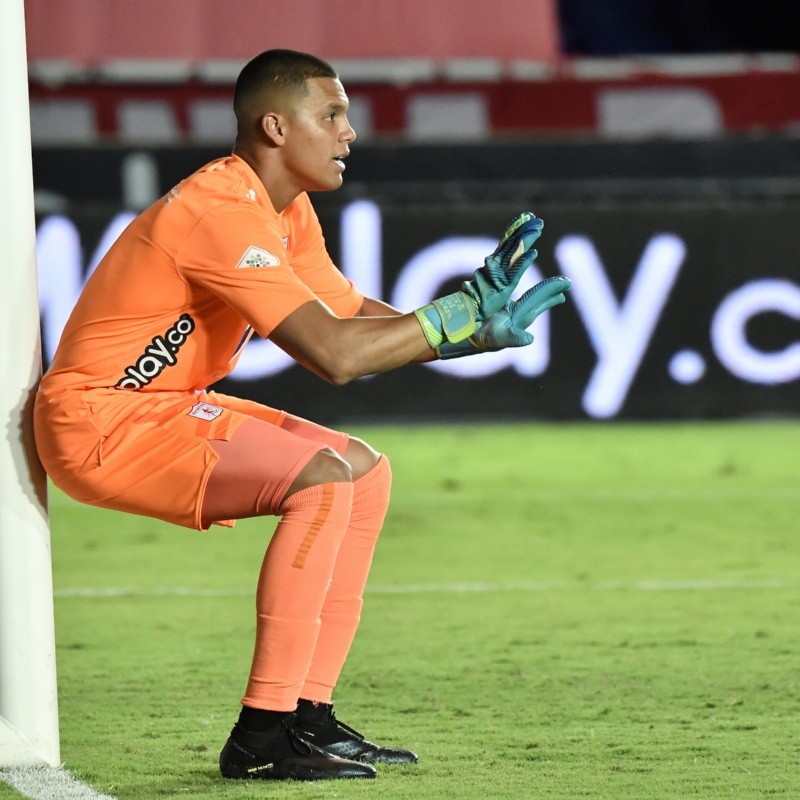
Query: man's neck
[280, 190]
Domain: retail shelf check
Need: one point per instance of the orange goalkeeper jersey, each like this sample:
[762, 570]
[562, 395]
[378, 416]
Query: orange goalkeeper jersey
[175, 299]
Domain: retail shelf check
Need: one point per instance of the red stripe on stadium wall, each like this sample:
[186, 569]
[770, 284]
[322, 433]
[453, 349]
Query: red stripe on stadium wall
[216, 29]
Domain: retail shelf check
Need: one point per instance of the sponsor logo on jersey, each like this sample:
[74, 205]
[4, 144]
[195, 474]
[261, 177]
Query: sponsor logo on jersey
[257, 257]
[205, 411]
[162, 352]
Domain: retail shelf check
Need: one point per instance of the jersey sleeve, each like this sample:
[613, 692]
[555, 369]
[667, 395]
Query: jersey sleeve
[238, 254]
[313, 265]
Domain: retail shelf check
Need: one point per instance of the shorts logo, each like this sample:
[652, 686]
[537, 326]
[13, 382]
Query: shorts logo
[205, 411]
[158, 355]
[256, 257]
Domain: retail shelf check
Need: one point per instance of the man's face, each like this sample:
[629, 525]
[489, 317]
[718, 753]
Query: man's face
[318, 136]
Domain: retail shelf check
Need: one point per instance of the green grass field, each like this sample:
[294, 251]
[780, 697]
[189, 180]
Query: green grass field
[555, 611]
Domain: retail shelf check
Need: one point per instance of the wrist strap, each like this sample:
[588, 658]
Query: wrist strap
[451, 318]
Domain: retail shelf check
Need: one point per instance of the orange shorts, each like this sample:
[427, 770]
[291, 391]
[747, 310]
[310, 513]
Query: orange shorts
[149, 453]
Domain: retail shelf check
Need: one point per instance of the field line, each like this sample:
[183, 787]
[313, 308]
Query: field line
[577, 586]
[634, 495]
[693, 584]
[49, 783]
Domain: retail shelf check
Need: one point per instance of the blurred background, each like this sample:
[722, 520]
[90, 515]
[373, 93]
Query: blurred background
[660, 142]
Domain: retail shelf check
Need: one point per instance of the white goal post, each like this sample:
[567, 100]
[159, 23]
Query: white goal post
[28, 698]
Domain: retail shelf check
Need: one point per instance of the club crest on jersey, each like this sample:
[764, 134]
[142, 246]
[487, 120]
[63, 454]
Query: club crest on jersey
[205, 411]
[257, 257]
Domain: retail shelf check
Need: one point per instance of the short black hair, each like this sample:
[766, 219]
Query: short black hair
[283, 70]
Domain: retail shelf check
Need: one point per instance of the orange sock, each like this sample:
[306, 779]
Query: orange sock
[292, 587]
[341, 612]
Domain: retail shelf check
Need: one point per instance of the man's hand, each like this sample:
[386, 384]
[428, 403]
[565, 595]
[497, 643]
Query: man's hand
[455, 317]
[507, 327]
[491, 285]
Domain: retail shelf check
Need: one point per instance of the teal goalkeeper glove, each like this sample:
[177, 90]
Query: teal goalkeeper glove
[456, 316]
[506, 328]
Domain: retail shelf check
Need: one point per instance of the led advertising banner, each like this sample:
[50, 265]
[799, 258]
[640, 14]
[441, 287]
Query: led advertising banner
[681, 308]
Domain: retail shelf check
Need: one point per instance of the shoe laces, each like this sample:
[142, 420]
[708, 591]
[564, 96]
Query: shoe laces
[345, 727]
[296, 741]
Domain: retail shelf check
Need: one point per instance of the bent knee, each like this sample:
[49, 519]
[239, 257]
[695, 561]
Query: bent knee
[326, 466]
[361, 457]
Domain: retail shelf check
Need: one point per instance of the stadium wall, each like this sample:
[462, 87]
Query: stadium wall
[687, 286]
[94, 33]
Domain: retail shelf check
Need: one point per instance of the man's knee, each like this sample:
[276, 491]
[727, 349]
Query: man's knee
[361, 457]
[326, 466]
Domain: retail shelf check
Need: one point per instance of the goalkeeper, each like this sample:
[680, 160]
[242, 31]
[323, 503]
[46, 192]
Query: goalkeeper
[124, 420]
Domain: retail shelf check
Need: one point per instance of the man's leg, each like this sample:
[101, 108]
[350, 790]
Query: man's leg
[295, 576]
[341, 612]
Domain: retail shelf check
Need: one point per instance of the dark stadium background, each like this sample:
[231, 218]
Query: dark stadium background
[617, 122]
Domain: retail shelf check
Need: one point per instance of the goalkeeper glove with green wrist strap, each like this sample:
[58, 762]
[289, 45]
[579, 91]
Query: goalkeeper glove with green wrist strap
[456, 316]
[506, 328]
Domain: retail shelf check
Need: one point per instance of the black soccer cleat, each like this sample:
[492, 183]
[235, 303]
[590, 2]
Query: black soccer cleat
[282, 755]
[317, 724]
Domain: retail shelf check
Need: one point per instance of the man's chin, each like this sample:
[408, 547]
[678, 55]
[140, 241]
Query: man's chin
[330, 186]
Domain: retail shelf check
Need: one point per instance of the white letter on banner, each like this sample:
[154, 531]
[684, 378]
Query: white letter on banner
[60, 275]
[619, 332]
[457, 257]
[729, 334]
[361, 247]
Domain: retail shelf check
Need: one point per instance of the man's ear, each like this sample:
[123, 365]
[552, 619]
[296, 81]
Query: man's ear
[272, 127]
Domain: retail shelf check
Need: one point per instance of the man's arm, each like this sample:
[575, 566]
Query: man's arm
[377, 308]
[340, 350]
[380, 338]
